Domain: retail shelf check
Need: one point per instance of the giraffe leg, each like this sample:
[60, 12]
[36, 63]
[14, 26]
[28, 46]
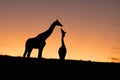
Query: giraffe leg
[40, 51]
[62, 56]
[29, 52]
[25, 52]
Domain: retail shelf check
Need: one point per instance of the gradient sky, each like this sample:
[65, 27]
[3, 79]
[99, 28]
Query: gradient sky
[92, 26]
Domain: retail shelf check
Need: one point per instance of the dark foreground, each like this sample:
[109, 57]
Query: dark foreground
[33, 68]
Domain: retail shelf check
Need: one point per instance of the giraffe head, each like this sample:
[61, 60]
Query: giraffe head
[58, 23]
[63, 32]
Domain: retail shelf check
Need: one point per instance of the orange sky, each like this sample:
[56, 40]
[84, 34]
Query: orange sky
[92, 26]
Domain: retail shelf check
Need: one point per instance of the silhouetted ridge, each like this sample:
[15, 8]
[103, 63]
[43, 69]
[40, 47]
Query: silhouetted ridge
[42, 69]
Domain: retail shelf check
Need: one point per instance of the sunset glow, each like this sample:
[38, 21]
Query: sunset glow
[92, 26]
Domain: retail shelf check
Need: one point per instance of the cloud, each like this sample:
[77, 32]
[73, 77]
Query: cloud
[116, 48]
[115, 59]
[113, 23]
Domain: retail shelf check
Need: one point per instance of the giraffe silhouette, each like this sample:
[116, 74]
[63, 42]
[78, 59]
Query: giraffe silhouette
[62, 50]
[39, 41]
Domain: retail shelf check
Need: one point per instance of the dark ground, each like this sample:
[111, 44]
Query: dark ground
[51, 69]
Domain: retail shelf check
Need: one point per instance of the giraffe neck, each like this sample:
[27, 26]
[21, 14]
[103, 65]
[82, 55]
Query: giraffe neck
[47, 33]
[63, 44]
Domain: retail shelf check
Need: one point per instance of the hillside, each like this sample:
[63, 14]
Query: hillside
[51, 68]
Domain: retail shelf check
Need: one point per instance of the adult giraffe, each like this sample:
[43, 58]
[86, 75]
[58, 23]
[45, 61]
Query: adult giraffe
[39, 41]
